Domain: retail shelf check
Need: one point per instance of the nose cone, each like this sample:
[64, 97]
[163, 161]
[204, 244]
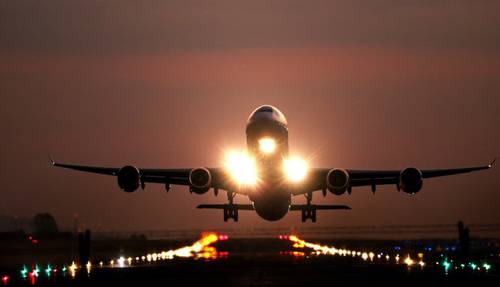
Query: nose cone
[267, 113]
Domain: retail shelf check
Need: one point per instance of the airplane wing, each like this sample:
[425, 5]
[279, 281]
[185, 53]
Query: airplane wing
[373, 178]
[176, 176]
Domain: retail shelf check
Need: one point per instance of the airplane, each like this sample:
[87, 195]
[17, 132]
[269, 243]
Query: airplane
[268, 175]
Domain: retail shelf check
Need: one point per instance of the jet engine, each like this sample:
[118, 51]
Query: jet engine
[337, 181]
[129, 178]
[410, 180]
[200, 180]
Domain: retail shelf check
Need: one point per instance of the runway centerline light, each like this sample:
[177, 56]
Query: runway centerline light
[295, 169]
[241, 167]
[267, 145]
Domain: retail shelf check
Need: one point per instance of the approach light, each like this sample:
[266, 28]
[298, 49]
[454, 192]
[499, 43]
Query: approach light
[267, 145]
[241, 167]
[295, 169]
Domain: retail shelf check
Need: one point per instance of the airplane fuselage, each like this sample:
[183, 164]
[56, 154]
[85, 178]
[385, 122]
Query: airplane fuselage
[271, 197]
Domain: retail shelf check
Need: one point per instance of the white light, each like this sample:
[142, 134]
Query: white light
[241, 167]
[371, 255]
[121, 261]
[364, 256]
[409, 261]
[267, 145]
[295, 169]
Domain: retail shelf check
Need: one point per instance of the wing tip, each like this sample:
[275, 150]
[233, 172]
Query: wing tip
[492, 162]
[51, 159]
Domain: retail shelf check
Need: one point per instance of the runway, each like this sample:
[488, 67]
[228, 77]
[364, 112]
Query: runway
[284, 260]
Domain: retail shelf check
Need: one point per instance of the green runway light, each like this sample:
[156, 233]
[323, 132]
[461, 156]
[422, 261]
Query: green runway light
[36, 271]
[48, 270]
[473, 266]
[486, 266]
[24, 272]
[446, 265]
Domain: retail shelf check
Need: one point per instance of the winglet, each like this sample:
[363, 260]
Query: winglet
[491, 164]
[52, 162]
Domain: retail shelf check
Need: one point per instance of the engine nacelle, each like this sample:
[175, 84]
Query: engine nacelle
[410, 180]
[129, 178]
[337, 181]
[200, 180]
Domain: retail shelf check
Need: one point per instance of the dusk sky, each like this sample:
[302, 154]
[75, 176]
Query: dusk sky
[363, 84]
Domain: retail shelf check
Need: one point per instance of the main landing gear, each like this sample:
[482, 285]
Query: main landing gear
[230, 210]
[308, 210]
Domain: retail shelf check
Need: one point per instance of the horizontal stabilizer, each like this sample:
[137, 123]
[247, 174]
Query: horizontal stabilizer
[226, 206]
[295, 207]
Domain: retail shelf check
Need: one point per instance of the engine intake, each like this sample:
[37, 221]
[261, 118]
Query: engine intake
[200, 180]
[410, 180]
[337, 181]
[129, 178]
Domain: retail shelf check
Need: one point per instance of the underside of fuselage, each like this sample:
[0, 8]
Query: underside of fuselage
[272, 209]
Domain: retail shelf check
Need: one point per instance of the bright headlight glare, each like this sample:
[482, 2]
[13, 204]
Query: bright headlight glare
[241, 167]
[267, 145]
[295, 169]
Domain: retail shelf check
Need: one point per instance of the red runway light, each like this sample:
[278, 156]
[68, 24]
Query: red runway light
[223, 237]
[32, 277]
[5, 279]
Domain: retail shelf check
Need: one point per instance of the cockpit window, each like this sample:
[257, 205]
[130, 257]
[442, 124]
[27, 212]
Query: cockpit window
[267, 112]
[266, 109]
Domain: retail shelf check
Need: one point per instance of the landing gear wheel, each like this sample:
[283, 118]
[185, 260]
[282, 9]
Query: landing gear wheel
[225, 211]
[230, 212]
[308, 212]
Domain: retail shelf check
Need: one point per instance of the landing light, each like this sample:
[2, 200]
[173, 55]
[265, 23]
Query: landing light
[267, 145]
[295, 169]
[241, 167]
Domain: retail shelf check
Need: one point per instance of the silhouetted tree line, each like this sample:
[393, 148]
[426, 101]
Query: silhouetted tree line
[42, 225]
